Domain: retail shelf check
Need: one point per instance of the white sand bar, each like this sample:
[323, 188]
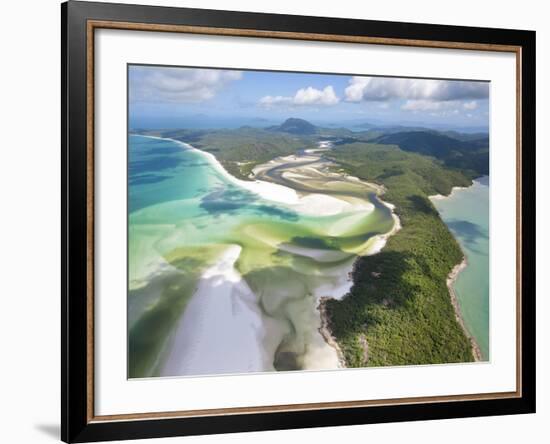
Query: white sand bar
[221, 330]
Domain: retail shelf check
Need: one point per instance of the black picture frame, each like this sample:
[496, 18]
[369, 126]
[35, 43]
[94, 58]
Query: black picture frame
[77, 425]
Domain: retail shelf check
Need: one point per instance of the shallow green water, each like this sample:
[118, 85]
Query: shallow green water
[466, 213]
[222, 280]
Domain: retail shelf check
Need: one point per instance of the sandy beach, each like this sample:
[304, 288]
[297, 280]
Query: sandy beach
[377, 246]
[441, 196]
[224, 299]
[381, 240]
[310, 204]
[311, 167]
[476, 351]
[326, 332]
[451, 279]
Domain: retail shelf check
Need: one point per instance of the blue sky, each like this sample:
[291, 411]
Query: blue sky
[173, 96]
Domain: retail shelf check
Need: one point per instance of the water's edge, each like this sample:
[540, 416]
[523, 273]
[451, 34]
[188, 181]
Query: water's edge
[457, 271]
[324, 329]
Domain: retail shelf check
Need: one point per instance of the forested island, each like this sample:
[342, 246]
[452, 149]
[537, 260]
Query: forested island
[397, 309]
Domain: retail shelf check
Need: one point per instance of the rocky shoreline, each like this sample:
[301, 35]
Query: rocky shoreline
[476, 351]
[326, 331]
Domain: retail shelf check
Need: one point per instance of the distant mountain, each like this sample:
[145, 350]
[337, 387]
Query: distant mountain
[465, 154]
[295, 126]
[366, 125]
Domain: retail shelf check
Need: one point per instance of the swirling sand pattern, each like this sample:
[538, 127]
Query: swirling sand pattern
[225, 275]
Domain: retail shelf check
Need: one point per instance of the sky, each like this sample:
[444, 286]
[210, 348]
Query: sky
[169, 97]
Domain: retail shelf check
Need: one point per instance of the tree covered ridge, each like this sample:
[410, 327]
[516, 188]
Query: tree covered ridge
[399, 311]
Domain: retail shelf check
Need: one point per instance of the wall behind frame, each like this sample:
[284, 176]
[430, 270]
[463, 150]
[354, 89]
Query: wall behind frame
[30, 219]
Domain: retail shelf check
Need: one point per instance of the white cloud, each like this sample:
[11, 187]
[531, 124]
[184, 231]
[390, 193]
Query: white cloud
[268, 101]
[303, 97]
[177, 85]
[312, 96]
[428, 105]
[384, 88]
[448, 106]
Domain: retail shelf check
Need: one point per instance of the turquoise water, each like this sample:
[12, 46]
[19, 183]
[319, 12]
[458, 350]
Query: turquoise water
[466, 213]
[161, 171]
[185, 316]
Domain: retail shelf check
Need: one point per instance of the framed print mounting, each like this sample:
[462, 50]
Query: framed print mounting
[275, 221]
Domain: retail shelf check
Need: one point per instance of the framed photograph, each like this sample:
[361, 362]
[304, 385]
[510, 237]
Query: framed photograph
[275, 221]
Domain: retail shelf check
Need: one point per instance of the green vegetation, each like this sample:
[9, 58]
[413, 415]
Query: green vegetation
[467, 154]
[240, 150]
[399, 310]
[295, 126]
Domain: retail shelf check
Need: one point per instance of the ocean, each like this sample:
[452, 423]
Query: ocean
[223, 280]
[466, 213]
